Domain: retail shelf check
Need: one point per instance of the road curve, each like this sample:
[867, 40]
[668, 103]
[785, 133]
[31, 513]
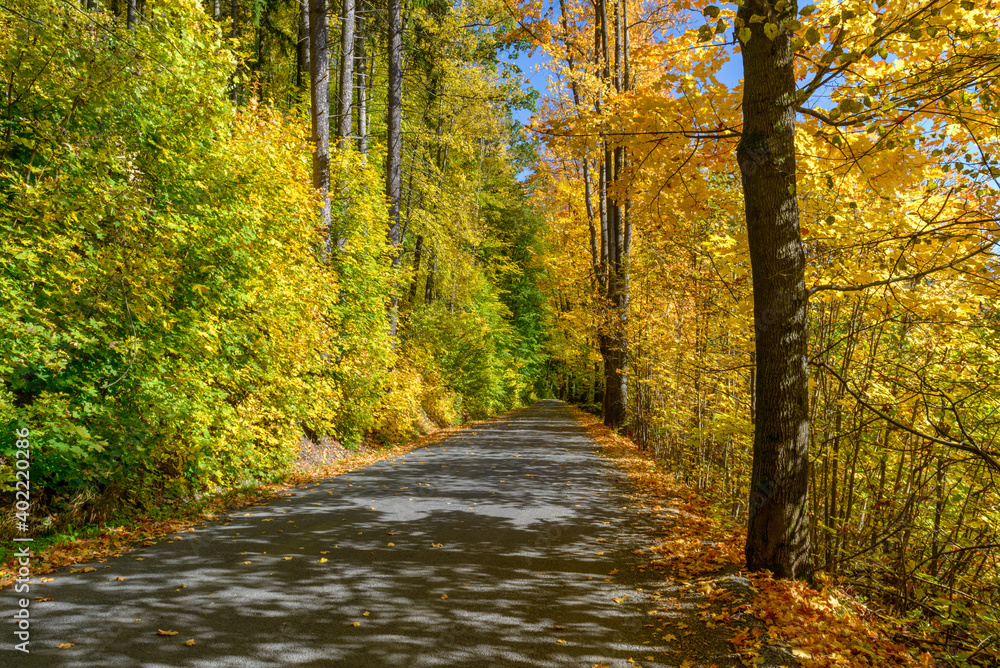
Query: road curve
[488, 548]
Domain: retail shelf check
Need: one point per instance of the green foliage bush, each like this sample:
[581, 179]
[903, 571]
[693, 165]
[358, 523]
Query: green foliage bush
[166, 327]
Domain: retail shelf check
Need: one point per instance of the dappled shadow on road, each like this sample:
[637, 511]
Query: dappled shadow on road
[490, 548]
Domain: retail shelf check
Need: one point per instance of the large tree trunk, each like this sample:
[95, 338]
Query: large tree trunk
[778, 529]
[345, 99]
[302, 47]
[319, 73]
[393, 156]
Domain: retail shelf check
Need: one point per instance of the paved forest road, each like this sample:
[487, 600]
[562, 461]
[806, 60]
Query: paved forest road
[495, 542]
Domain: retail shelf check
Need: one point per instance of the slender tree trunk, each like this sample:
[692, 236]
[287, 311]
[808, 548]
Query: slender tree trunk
[431, 270]
[302, 47]
[395, 140]
[217, 10]
[345, 100]
[359, 49]
[319, 73]
[616, 361]
[416, 268]
[234, 8]
[130, 15]
[778, 528]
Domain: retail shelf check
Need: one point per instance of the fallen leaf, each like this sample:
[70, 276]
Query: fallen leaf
[365, 613]
[286, 558]
[613, 571]
[189, 643]
[561, 641]
[355, 623]
[120, 579]
[390, 545]
[444, 595]
[165, 633]
[322, 560]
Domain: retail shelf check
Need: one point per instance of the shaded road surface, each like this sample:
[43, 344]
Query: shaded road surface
[463, 553]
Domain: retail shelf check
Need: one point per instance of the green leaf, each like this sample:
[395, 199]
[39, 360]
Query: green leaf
[770, 31]
[712, 11]
[813, 36]
[807, 10]
[745, 34]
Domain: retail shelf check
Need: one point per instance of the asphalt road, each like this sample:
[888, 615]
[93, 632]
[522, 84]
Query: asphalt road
[467, 552]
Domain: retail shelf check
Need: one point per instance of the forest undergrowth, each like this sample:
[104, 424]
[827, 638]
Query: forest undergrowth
[823, 625]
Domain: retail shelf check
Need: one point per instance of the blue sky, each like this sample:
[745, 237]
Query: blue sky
[534, 68]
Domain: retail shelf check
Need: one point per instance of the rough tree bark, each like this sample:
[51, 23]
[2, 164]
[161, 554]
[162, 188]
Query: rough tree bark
[778, 523]
[319, 74]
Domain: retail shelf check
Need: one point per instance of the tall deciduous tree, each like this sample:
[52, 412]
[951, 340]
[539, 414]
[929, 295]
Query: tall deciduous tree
[778, 529]
[394, 118]
[362, 62]
[345, 98]
[301, 46]
[319, 74]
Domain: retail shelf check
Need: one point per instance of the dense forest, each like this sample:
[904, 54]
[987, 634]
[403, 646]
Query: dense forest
[176, 314]
[788, 289]
[228, 226]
